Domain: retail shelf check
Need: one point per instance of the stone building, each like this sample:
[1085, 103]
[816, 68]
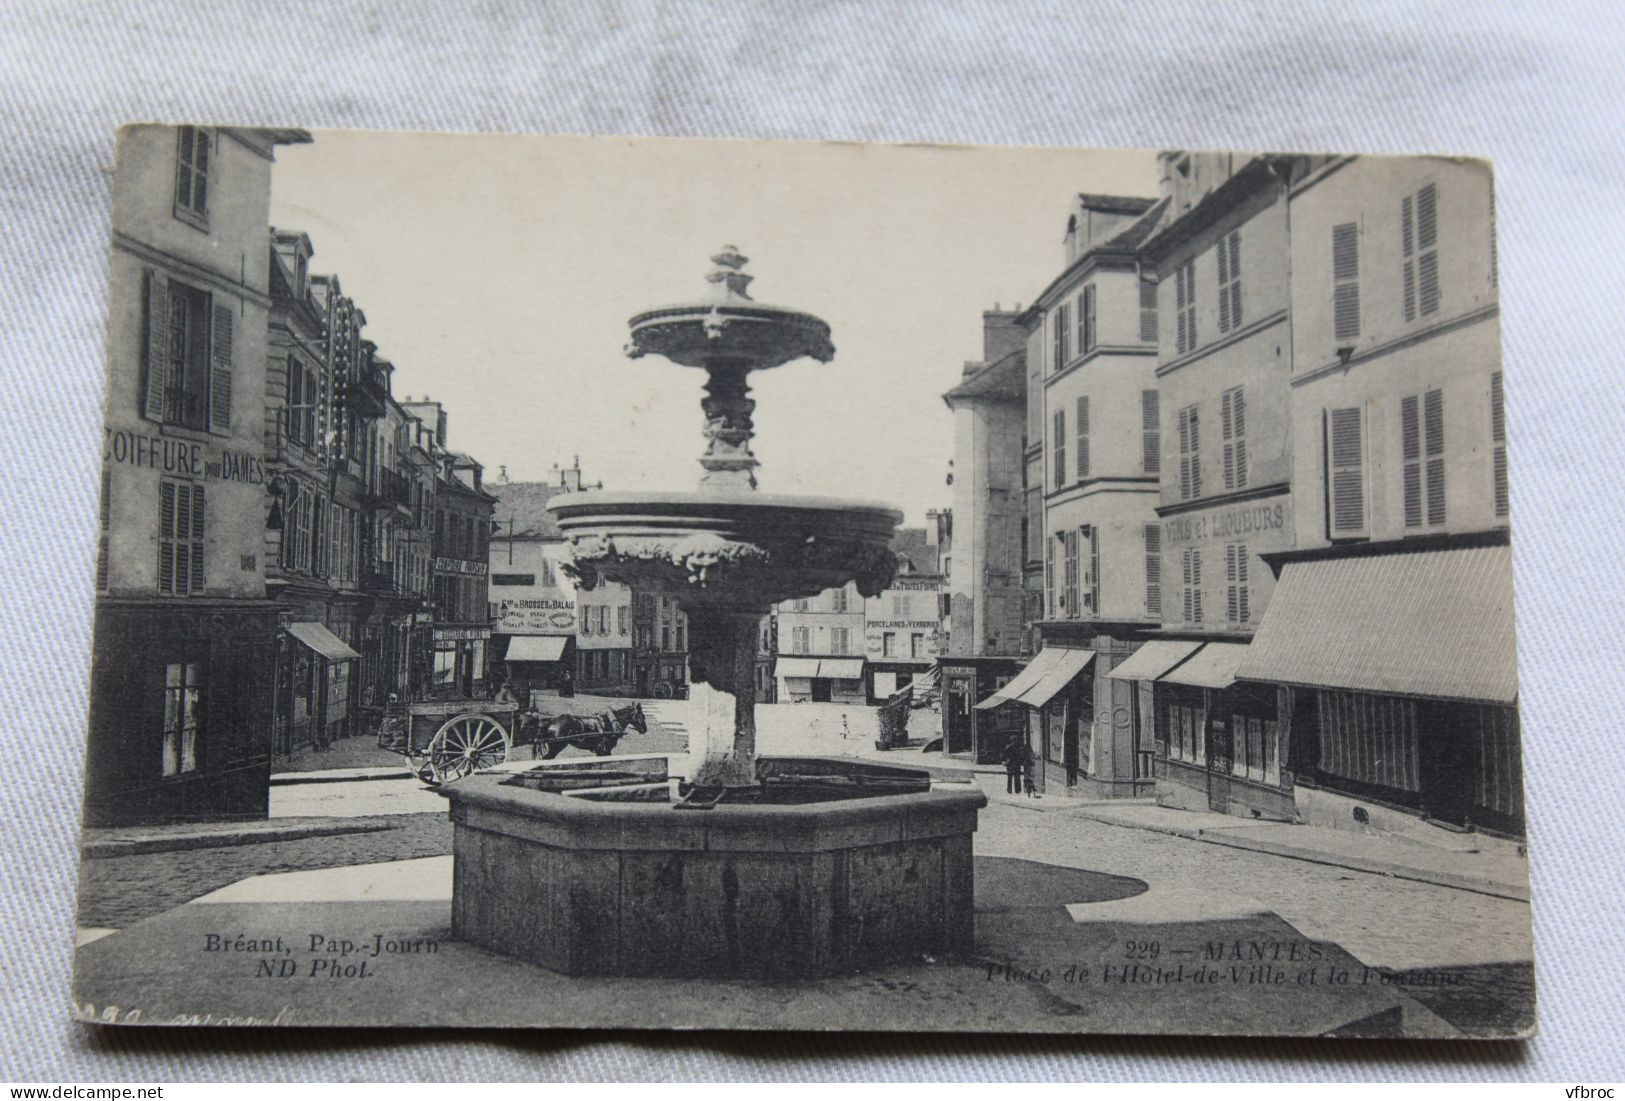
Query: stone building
[821, 641]
[1390, 636]
[180, 695]
[902, 624]
[1093, 405]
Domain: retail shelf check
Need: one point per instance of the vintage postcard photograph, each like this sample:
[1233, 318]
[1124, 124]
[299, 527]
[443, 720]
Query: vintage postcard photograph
[675, 584]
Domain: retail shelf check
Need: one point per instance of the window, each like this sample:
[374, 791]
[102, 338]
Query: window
[1049, 575]
[1069, 596]
[1150, 431]
[620, 619]
[916, 646]
[1185, 307]
[837, 599]
[1190, 460]
[303, 397]
[1153, 570]
[1062, 347]
[888, 644]
[180, 538]
[1233, 427]
[840, 640]
[1083, 438]
[1421, 434]
[1498, 446]
[1346, 281]
[1088, 334]
[1184, 730]
[192, 175]
[1058, 442]
[183, 700]
[1236, 609]
[1148, 311]
[1229, 250]
[1191, 563]
[1252, 747]
[682, 634]
[800, 640]
[1419, 248]
[1345, 471]
[801, 605]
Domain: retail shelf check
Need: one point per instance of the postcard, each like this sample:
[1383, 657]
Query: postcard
[621, 583]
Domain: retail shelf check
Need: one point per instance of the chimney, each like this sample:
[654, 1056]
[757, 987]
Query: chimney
[1000, 334]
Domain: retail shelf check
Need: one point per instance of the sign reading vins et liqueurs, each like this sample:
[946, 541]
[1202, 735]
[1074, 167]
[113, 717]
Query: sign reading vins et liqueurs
[1264, 518]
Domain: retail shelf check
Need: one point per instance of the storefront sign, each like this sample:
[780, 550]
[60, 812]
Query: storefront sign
[457, 565]
[185, 458]
[1231, 523]
[537, 616]
[460, 634]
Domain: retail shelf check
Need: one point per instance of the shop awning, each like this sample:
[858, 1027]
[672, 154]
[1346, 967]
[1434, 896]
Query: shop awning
[1431, 623]
[536, 648]
[1043, 677]
[1213, 666]
[797, 667]
[1154, 659]
[841, 668]
[322, 641]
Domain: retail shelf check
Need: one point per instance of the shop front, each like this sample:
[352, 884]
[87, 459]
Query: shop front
[1397, 680]
[820, 680]
[1055, 705]
[531, 663]
[317, 673]
[459, 661]
[967, 732]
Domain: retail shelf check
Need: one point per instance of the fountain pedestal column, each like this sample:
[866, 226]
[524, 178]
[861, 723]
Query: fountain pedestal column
[722, 697]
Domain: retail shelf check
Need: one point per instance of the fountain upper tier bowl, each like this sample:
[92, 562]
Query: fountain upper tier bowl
[729, 549]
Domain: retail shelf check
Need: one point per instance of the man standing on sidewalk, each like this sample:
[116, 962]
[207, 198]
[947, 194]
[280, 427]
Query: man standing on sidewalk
[1028, 767]
[1011, 758]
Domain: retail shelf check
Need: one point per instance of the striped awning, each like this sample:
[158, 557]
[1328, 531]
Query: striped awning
[1431, 623]
[324, 642]
[536, 648]
[1213, 666]
[834, 668]
[1154, 659]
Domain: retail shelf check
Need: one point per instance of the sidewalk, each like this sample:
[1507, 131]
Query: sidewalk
[1496, 873]
[126, 841]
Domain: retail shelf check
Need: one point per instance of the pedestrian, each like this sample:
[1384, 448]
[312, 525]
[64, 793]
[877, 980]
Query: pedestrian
[1029, 765]
[1011, 759]
[567, 684]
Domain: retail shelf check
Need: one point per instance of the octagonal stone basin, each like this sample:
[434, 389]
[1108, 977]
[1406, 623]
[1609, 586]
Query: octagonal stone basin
[589, 884]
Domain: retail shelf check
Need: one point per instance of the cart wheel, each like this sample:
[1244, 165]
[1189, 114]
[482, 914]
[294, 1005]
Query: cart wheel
[467, 744]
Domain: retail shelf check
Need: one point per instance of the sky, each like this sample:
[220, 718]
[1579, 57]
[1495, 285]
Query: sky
[497, 274]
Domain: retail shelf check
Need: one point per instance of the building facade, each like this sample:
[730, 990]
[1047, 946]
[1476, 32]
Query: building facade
[181, 687]
[901, 633]
[821, 641]
[1390, 639]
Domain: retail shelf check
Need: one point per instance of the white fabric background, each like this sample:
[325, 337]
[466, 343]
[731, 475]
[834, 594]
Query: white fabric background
[1536, 86]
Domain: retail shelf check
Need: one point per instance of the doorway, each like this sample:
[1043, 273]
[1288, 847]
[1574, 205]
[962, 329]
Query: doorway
[821, 690]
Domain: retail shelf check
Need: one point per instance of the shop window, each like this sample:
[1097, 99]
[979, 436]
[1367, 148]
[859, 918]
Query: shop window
[1233, 429]
[183, 700]
[1253, 748]
[180, 538]
[1185, 729]
[1229, 250]
[1372, 739]
[1422, 452]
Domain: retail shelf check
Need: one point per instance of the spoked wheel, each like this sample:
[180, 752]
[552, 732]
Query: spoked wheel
[465, 744]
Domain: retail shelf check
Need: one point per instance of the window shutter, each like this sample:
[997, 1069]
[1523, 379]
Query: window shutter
[1407, 245]
[1427, 278]
[220, 361]
[1226, 432]
[1084, 336]
[1153, 570]
[1427, 217]
[1083, 438]
[1498, 437]
[183, 168]
[196, 584]
[1179, 309]
[1238, 414]
[1196, 584]
[1060, 448]
[200, 183]
[1347, 474]
[1235, 279]
[1184, 453]
[1185, 565]
[166, 537]
[103, 544]
[157, 350]
[1224, 289]
[1196, 457]
[1148, 312]
[1410, 448]
[1150, 431]
[1232, 607]
[1346, 281]
[1244, 613]
[1433, 426]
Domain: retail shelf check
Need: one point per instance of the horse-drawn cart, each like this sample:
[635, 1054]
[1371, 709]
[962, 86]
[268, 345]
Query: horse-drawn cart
[445, 739]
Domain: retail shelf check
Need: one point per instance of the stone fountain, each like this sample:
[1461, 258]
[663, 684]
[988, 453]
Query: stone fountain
[746, 865]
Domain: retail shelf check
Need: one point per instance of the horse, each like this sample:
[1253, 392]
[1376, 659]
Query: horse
[597, 733]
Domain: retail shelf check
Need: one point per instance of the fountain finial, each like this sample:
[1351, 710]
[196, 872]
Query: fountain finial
[728, 275]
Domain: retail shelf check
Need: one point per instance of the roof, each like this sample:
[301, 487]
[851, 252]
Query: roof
[1436, 623]
[1002, 380]
[1252, 176]
[1114, 204]
[1142, 228]
[525, 504]
[910, 545]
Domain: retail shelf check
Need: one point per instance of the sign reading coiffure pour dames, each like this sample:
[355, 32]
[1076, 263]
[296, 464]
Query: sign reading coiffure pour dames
[186, 458]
